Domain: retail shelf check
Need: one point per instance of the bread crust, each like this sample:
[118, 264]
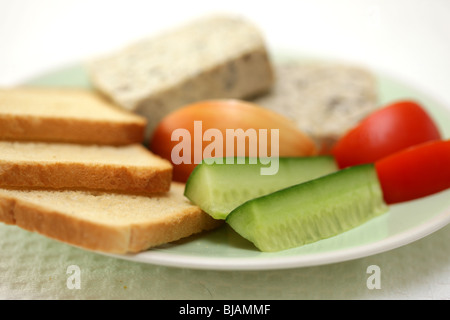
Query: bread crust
[120, 127]
[193, 221]
[103, 237]
[70, 230]
[18, 172]
[84, 176]
[29, 128]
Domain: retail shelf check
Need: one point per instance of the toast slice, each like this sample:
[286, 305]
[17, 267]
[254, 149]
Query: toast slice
[216, 56]
[66, 115]
[105, 222]
[130, 169]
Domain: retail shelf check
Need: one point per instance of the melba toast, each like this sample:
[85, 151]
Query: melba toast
[130, 168]
[66, 115]
[106, 222]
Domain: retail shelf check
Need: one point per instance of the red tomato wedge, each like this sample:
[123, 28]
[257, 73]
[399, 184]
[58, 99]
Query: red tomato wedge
[415, 172]
[388, 130]
[208, 123]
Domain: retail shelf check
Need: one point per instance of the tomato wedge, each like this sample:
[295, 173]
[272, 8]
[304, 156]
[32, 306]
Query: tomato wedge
[388, 130]
[415, 172]
[205, 124]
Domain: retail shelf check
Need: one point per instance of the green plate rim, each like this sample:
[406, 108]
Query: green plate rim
[75, 75]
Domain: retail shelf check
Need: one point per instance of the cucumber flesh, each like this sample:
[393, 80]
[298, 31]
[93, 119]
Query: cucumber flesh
[310, 211]
[220, 188]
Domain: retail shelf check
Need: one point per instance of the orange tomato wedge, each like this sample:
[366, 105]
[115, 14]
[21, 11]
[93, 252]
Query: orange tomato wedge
[224, 117]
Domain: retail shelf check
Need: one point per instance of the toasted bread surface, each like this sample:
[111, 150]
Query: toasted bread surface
[130, 168]
[107, 222]
[66, 115]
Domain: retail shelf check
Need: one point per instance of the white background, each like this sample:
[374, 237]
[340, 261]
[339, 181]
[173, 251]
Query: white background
[408, 39]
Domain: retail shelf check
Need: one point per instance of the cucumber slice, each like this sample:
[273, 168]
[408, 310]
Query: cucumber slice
[220, 188]
[310, 211]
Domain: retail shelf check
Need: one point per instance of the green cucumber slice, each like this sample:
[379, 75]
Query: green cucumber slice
[220, 188]
[310, 211]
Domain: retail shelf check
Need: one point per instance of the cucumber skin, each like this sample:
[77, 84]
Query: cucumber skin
[198, 187]
[329, 205]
